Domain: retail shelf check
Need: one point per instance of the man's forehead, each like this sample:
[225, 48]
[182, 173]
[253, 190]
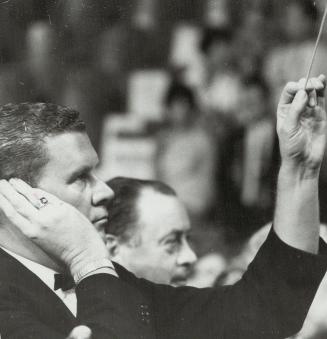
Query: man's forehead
[71, 149]
[161, 214]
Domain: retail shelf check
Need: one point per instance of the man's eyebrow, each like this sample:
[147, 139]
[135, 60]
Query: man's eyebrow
[84, 169]
[80, 171]
[173, 232]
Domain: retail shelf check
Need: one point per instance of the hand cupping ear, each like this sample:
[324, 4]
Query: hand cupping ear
[55, 226]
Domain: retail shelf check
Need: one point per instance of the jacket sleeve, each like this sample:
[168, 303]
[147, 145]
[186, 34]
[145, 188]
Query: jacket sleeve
[270, 301]
[112, 308]
[276, 292]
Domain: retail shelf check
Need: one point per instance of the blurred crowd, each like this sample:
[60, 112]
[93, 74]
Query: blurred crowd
[224, 61]
[224, 64]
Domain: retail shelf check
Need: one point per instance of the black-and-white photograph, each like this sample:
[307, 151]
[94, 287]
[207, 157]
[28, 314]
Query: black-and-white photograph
[162, 169]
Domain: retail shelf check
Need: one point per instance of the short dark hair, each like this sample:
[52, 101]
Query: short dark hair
[212, 35]
[178, 91]
[23, 128]
[123, 215]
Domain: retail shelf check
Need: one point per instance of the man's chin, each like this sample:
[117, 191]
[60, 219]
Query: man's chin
[100, 226]
[179, 281]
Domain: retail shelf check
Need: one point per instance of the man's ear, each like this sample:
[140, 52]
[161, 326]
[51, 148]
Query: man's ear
[112, 245]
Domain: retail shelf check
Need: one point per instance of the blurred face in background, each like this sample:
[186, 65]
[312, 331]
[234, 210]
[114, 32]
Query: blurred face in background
[179, 112]
[297, 24]
[219, 55]
[252, 105]
[207, 270]
[159, 250]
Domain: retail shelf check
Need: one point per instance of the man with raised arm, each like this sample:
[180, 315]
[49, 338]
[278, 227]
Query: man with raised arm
[48, 229]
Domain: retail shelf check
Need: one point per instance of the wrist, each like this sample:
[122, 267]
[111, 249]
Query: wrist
[292, 172]
[101, 270]
[296, 219]
[103, 265]
[86, 260]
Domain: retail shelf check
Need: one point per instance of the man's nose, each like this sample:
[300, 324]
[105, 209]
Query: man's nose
[187, 257]
[102, 193]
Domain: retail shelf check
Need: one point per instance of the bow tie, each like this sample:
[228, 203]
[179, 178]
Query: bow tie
[63, 281]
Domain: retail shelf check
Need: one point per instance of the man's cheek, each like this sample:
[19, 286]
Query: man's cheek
[80, 203]
[169, 265]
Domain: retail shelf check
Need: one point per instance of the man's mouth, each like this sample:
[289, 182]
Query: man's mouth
[180, 279]
[101, 220]
[179, 282]
[100, 225]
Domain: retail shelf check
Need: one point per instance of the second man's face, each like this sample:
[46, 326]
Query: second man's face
[159, 251]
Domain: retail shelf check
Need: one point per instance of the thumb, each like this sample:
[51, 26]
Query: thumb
[80, 332]
[297, 107]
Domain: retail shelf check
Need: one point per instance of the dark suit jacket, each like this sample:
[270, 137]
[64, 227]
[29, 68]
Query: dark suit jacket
[270, 301]
[30, 310]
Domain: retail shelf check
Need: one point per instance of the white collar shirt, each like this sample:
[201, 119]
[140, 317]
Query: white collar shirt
[47, 274]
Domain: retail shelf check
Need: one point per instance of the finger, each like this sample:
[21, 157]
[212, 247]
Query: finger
[312, 85]
[289, 92]
[18, 202]
[39, 193]
[317, 84]
[309, 86]
[312, 101]
[80, 332]
[298, 106]
[301, 83]
[315, 89]
[15, 218]
[319, 88]
[291, 88]
[322, 78]
[26, 191]
[311, 91]
[32, 194]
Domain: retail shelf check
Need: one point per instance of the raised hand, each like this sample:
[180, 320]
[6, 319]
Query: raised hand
[57, 227]
[301, 128]
[301, 125]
